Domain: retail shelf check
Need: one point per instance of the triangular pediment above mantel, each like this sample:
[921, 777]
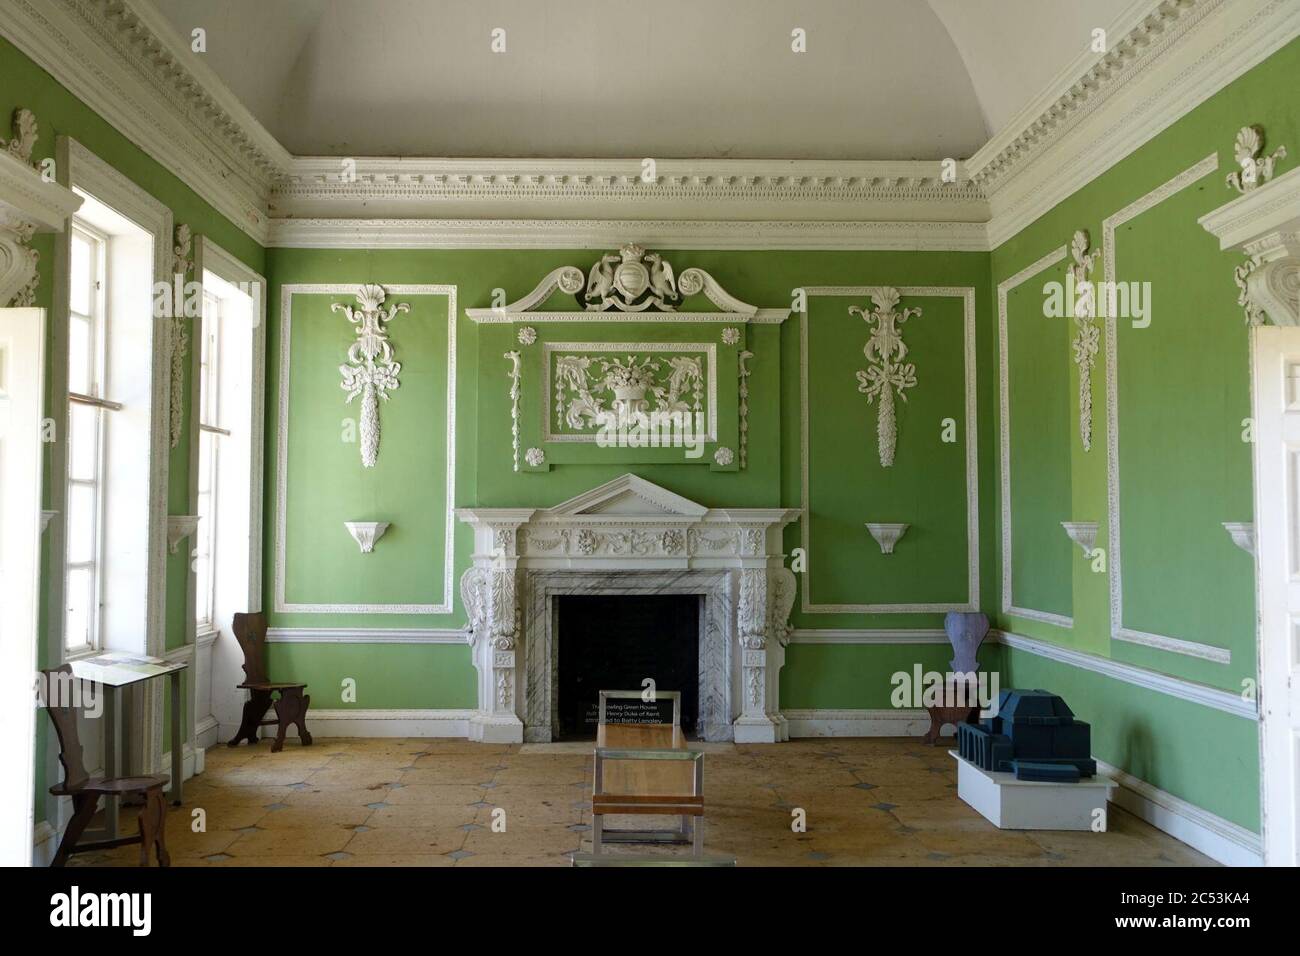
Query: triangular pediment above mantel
[628, 495]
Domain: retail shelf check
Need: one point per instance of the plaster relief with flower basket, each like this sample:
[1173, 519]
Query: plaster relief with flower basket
[886, 373]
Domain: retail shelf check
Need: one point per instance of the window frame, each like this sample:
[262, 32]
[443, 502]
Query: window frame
[210, 428]
[95, 399]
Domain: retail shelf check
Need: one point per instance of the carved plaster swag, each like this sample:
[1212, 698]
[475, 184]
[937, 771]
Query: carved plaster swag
[628, 536]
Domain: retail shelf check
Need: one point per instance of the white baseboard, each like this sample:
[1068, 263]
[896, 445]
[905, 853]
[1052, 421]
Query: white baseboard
[45, 842]
[206, 732]
[377, 723]
[1219, 839]
[886, 722]
[192, 762]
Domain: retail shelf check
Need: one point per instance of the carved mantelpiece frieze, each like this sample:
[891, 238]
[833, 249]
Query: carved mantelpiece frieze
[1264, 225]
[628, 536]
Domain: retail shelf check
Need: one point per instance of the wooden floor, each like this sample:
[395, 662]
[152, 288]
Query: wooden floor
[420, 802]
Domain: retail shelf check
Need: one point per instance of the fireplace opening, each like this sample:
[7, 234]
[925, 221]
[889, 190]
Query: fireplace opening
[616, 642]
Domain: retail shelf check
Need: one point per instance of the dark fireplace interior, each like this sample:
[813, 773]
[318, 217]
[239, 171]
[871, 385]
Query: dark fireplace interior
[615, 642]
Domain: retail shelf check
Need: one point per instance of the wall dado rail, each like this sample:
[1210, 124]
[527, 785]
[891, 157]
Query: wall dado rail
[628, 536]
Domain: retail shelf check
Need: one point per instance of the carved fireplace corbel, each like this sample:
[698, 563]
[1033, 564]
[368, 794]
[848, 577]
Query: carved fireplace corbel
[763, 630]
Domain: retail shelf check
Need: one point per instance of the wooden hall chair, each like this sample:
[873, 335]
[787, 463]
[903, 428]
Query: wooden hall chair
[290, 701]
[85, 791]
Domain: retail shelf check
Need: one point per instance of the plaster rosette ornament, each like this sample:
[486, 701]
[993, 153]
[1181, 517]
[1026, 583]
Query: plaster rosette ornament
[724, 456]
[366, 533]
[886, 373]
[535, 457]
[1082, 533]
[372, 373]
[1087, 337]
[178, 337]
[887, 535]
[527, 335]
[1253, 170]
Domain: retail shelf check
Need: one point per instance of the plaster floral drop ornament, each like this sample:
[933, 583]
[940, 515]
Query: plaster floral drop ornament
[535, 457]
[527, 335]
[724, 456]
[372, 373]
[886, 372]
[515, 374]
[1088, 337]
[178, 331]
[730, 335]
[1253, 170]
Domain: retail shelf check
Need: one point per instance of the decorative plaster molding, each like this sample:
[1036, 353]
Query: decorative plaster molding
[1087, 339]
[178, 338]
[1227, 701]
[1104, 108]
[178, 528]
[280, 602]
[681, 377]
[515, 374]
[1004, 440]
[373, 373]
[886, 372]
[742, 408]
[125, 61]
[1264, 225]
[527, 335]
[1242, 534]
[1253, 170]
[28, 204]
[535, 457]
[366, 533]
[807, 603]
[724, 456]
[1110, 227]
[887, 535]
[730, 335]
[1082, 533]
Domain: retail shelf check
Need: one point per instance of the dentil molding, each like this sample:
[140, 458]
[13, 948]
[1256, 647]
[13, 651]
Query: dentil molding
[29, 203]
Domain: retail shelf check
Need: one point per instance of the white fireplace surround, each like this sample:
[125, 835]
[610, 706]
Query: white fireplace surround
[628, 536]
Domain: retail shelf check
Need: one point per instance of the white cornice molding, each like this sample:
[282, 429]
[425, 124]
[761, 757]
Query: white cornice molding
[109, 55]
[127, 63]
[1192, 50]
[400, 233]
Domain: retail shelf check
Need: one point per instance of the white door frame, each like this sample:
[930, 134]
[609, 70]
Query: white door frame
[1275, 391]
[22, 402]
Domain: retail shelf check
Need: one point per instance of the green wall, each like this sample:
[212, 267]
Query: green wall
[926, 486]
[1184, 390]
[58, 112]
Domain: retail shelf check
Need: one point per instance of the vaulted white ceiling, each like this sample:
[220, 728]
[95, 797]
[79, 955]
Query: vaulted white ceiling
[881, 79]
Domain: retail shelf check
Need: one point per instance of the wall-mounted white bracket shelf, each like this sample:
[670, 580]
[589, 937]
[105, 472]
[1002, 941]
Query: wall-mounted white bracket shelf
[178, 527]
[887, 535]
[366, 533]
[1242, 534]
[45, 519]
[1082, 533]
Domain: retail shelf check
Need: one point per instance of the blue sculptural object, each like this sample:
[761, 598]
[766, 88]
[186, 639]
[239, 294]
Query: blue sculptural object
[966, 631]
[1034, 735]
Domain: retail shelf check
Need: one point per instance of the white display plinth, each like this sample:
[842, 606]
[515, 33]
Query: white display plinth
[1013, 804]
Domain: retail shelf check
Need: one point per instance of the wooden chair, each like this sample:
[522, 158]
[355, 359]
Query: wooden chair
[290, 701]
[85, 791]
